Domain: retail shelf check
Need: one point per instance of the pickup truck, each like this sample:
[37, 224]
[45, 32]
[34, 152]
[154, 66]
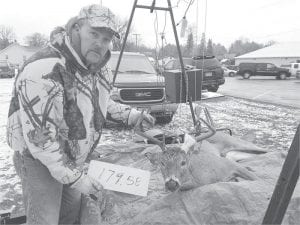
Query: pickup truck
[139, 85]
[248, 69]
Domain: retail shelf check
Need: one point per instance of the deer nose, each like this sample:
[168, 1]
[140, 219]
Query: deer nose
[172, 185]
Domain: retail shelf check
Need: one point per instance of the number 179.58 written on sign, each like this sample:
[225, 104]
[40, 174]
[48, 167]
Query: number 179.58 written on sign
[120, 178]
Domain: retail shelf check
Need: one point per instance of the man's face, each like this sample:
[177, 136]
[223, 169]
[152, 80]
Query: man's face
[95, 43]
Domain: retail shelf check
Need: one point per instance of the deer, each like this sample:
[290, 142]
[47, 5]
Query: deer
[186, 165]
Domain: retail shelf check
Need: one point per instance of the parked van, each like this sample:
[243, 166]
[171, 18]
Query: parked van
[295, 69]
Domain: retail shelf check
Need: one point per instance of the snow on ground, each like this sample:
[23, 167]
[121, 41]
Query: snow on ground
[266, 125]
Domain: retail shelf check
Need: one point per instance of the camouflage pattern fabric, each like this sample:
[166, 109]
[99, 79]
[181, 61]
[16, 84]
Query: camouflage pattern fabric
[58, 108]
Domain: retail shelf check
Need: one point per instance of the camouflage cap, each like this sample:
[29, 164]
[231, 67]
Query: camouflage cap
[99, 16]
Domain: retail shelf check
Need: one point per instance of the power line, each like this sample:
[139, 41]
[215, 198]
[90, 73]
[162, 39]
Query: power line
[191, 3]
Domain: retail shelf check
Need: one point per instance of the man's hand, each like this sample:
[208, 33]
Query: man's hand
[88, 185]
[147, 120]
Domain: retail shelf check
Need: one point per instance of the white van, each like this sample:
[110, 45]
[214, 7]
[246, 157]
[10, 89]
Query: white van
[295, 69]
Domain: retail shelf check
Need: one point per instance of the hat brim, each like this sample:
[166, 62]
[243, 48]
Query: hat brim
[100, 24]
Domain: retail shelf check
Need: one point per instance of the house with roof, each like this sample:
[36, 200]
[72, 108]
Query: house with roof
[16, 54]
[280, 54]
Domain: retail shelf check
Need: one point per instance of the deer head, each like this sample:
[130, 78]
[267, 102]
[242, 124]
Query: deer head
[174, 159]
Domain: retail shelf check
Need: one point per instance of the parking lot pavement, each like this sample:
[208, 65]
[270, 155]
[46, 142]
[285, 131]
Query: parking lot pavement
[264, 89]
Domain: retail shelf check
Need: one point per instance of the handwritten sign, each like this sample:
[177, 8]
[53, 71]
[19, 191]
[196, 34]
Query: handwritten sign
[120, 178]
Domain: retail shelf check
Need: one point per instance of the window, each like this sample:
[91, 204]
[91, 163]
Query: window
[296, 66]
[169, 65]
[261, 66]
[270, 66]
[131, 63]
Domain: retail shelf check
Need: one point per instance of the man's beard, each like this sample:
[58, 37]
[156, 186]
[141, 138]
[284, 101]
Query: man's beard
[93, 65]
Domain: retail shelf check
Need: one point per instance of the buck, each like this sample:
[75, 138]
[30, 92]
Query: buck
[188, 165]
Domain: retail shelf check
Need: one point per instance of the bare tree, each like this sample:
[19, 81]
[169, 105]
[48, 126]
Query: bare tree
[240, 47]
[7, 36]
[121, 29]
[36, 40]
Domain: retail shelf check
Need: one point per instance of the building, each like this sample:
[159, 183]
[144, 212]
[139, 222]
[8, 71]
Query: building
[279, 54]
[16, 54]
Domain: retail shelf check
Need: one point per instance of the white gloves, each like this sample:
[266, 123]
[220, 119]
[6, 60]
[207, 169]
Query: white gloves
[134, 116]
[87, 185]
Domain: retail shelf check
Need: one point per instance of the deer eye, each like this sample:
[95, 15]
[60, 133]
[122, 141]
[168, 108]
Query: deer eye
[183, 163]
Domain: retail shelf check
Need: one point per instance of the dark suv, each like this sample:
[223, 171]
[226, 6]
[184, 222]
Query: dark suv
[246, 70]
[213, 74]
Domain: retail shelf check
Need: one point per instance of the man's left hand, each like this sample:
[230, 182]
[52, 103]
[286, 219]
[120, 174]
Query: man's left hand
[148, 121]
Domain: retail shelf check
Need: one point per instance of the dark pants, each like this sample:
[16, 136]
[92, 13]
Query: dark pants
[46, 200]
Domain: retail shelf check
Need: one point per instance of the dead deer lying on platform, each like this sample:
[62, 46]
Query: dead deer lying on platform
[186, 166]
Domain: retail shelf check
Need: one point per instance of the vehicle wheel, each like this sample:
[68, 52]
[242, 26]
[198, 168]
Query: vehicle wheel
[282, 76]
[164, 119]
[213, 88]
[246, 75]
[231, 74]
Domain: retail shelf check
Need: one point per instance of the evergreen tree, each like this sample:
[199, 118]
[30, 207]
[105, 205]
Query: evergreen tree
[202, 47]
[188, 50]
[219, 50]
[209, 50]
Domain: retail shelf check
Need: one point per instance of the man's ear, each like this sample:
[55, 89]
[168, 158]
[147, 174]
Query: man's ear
[76, 27]
[153, 157]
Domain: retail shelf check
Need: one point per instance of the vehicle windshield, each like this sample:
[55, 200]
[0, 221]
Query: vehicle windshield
[207, 63]
[186, 61]
[132, 64]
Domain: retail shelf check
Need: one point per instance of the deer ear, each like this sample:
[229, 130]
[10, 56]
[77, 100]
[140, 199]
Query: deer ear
[188, 143]
[153, 157]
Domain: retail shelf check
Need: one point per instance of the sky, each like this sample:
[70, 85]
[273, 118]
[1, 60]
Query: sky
[225, 20]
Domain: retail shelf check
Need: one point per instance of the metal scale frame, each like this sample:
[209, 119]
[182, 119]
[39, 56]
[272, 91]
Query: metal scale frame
[183, 72]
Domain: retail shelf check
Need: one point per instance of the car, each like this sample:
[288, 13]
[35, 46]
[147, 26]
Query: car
[139, 85]
[248, 69]
[6, 70]
[228, 72]
[212, 70]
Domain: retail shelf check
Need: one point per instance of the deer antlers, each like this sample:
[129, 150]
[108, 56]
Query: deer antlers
[199, 135]
[138, 128]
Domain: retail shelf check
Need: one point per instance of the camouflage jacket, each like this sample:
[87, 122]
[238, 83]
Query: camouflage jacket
[58, 109]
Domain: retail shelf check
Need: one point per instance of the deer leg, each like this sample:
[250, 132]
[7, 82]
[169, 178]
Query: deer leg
[242, 173]
[231, 178]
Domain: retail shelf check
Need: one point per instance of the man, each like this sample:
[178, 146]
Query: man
[59, 105]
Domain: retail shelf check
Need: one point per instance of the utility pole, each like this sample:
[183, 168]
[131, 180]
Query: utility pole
[136, 40]
[100, 2]
[162, 35]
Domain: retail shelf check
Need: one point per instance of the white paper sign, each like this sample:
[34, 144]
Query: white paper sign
[120, 178]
